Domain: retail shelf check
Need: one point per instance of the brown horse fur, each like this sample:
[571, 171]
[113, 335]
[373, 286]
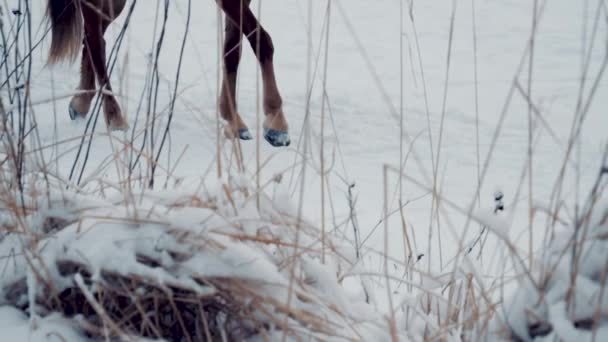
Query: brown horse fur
[71, 19]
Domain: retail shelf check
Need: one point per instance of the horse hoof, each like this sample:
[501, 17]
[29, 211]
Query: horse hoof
[244, 134]
[241, 133]
[118, 125]
[276, 138]
[74, 114]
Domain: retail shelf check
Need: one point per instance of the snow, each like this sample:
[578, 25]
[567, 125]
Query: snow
[16, 327]
[557, 299]
[145, 244]
[362, 135]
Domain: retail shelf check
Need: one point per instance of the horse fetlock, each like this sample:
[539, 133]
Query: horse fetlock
[236, 128]
[117, 123]
[276, 121]
[113, 115]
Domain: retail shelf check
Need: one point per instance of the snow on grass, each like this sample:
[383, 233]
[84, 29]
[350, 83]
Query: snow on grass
[443, 265]
[15, 326]
[97, 262]
[566, 300]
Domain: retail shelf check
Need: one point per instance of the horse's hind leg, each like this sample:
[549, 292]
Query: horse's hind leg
[228, 107]
[95, 25]
[81, 103]
[275, 125]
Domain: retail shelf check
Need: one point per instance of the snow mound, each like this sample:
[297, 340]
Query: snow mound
[175, 266]
[567, 298]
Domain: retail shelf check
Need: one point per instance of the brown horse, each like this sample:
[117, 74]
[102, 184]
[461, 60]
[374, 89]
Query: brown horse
[71, 19]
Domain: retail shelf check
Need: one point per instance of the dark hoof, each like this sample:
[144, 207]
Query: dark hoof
[244, 134]
[74, 114]
[276, 138]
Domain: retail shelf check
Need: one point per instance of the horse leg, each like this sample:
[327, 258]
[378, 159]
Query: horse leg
[95, 24]
[275, 125]
[81, 103]
[228, 107]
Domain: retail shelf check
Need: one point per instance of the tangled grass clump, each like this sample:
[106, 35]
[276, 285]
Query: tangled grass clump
[172, 266]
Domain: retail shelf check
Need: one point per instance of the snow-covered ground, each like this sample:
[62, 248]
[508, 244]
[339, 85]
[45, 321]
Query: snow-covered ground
[384, 69]
[362, 129]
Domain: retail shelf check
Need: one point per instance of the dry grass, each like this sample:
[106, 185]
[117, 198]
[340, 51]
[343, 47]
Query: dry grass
[161, 294]
[455, 300]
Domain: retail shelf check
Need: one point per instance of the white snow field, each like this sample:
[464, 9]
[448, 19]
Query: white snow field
[463, 99]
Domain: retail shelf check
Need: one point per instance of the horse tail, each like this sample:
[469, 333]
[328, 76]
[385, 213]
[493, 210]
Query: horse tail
[66, 29]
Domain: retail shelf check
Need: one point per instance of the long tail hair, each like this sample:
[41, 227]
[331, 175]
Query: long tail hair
[66, 29]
